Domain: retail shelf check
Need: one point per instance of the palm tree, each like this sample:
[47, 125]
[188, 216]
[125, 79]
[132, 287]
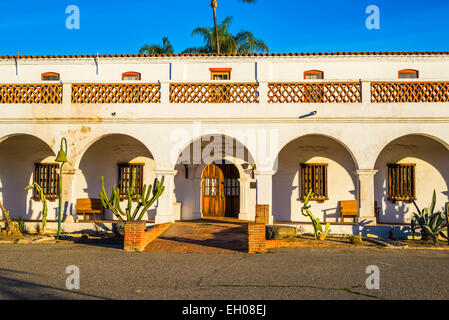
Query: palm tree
[214, 6]
[157, 49]
[244, 41]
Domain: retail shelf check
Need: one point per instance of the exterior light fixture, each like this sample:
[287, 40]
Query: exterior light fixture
[62, 158]
[248, 170]
[308, 115]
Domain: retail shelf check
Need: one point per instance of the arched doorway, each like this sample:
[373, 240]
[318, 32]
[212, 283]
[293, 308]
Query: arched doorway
[235, 163]
[220, 191]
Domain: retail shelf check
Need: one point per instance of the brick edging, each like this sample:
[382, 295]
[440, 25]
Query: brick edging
[137, 237]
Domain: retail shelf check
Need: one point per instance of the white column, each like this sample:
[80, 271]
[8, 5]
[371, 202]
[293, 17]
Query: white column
[264, 192]
[68, 194]
[165, 92]
[164, 211]
[366, 196]
[366, 92]
[244, 188]
[263, 92]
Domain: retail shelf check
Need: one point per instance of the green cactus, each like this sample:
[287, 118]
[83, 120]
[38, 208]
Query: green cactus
[144, 200]
[318, 228]
[44, 203]
[432, 223]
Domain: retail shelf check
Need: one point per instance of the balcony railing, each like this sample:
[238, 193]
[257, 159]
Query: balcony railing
[326, 92]
[214, 93]
[31, 93]
[221, 93]
[116, 93]
[402, 92]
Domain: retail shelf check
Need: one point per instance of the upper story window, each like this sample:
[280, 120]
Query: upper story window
[408, 74]
[131, 76]
[313, 75]
[50, 76]
[220, 73]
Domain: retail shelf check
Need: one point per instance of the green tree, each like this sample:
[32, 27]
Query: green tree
[157, 49]
[244, 41]
[214, 5]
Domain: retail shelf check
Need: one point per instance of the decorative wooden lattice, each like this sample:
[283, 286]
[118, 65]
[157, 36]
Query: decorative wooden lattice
[330, 92]
[116, 93]
[397, 92]
[31, 93]
[214, 93]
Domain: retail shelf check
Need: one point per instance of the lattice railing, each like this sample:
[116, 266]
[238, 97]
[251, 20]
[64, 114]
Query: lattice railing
[400, 92]
[116, 93]
[31, 93]
[214, 93]
[327, 92]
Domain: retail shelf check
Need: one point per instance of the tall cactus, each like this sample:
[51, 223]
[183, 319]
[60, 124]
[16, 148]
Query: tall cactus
[44, 203]
[144, 200]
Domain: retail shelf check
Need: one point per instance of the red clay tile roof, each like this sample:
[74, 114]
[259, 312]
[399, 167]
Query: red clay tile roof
[229, 55]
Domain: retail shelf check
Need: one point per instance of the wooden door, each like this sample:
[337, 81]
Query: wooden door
[213, 197]
[231, 190]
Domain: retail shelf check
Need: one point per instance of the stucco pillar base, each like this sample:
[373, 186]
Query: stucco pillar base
[264, 180]
[165, 204]
[367, 215]
[160, 219]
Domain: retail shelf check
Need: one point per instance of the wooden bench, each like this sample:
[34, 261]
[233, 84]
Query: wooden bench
[350, 208]
[90, 209]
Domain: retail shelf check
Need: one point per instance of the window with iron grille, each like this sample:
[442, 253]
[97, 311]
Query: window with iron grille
[401, 182]
[47, 177]
[314, 177]
[125, 178]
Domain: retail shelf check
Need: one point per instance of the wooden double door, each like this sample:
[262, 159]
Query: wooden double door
[220, 191]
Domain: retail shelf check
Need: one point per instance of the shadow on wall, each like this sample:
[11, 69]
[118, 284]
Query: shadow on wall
[18, 154]
[431, 173]
[102, 159]
[287, 180]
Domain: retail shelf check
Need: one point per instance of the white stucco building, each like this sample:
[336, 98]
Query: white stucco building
[380, 132]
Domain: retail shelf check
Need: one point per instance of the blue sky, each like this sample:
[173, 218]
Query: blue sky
[37, 27]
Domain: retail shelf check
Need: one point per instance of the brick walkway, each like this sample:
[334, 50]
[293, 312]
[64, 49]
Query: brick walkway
[202, 236]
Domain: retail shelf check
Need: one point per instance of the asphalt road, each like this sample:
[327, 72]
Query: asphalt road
[38, 272]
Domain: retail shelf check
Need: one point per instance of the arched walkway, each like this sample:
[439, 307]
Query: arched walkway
[429, 158]
[18, 156]
[336, 178]
[111, 157]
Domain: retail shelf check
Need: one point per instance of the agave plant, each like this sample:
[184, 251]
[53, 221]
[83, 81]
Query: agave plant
[432, 224]
[317, 227]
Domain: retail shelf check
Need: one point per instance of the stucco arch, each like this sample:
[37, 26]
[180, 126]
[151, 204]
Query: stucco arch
[174, 159]
[340, 142]
[429, 156]
[81, 150]
[18, 155]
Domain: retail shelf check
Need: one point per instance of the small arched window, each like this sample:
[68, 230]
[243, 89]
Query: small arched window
[313, 74]
[131, 76]
[408, 74]
[50, 76]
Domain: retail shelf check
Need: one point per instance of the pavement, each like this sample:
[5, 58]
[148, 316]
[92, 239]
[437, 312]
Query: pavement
[202, 237]
[38, 271]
